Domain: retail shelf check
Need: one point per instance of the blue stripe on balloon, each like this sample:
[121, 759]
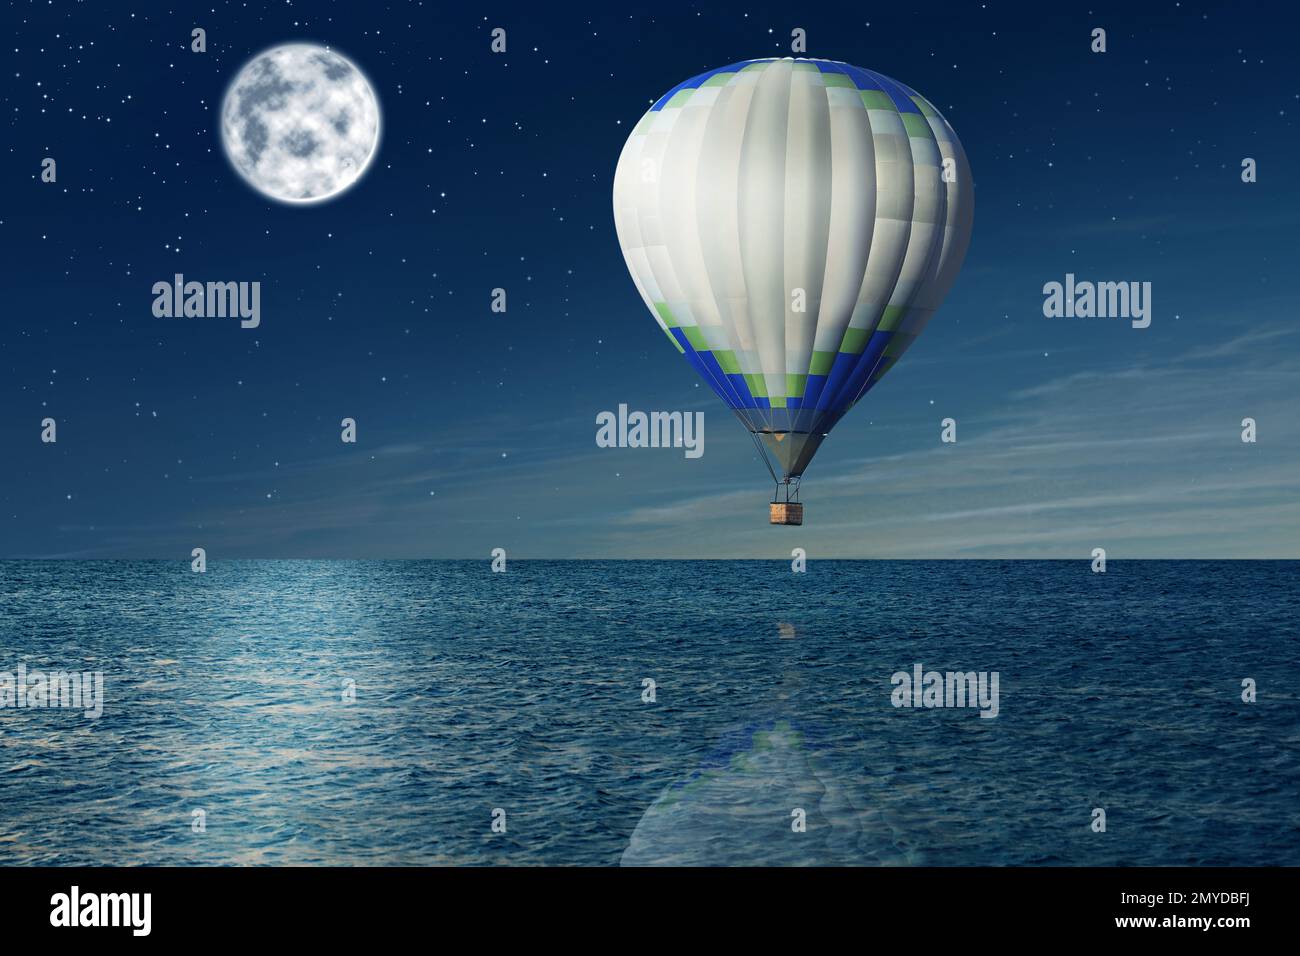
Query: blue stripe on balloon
[742, 390]
[896, 92]
[841, 369]
[862, 79]
[826, 66]
[723, 385]
[813, 390]
[864, 366]
[696, 82]
[697, 362]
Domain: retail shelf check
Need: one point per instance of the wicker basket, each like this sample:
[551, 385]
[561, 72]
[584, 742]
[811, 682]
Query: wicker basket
[787, 512]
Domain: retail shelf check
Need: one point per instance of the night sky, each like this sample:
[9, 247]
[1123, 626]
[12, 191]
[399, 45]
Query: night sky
[477, 429]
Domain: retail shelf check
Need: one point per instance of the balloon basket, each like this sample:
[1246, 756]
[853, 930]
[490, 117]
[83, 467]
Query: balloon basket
[787, 512]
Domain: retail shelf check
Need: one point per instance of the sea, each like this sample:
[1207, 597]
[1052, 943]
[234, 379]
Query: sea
[606, 713]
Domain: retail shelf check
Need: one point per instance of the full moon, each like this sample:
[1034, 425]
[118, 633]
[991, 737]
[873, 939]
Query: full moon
[300, 123]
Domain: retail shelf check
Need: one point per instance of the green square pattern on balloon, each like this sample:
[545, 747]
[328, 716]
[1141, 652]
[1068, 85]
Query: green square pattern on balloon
[917, 125]
[878, 100]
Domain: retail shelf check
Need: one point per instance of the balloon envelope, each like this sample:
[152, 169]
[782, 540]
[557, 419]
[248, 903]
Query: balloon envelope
[792, 225]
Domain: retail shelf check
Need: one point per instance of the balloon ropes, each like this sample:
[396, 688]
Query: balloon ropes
[791, 225]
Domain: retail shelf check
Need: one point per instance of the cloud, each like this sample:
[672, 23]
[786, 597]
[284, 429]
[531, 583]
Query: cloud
[1143, 456]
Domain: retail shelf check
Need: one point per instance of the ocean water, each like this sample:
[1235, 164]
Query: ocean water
[523, 692]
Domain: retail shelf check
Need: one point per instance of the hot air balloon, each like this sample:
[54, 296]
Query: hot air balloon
[792, 224]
